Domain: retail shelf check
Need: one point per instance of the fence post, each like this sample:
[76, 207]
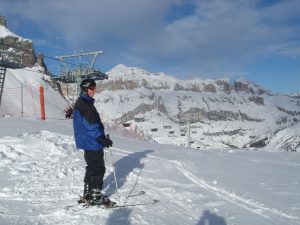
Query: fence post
[42, 102]
[22, 101]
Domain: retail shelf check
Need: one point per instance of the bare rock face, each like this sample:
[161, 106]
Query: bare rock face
[210, 88]
[239, 86]
[257, 100]
[22, 47]
[2, 21]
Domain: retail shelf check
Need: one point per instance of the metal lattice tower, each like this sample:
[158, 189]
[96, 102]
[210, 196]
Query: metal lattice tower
[82, 72]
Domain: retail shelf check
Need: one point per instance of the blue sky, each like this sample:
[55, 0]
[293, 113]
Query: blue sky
[255, 39]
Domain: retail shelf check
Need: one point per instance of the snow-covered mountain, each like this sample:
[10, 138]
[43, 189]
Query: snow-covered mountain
[222, 113]
[157, 107]
[203, 114]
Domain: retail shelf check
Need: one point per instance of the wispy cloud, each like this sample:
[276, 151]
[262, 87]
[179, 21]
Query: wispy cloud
[214, 36]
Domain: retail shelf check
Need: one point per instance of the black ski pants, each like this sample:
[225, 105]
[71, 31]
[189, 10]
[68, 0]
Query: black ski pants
[95, 169]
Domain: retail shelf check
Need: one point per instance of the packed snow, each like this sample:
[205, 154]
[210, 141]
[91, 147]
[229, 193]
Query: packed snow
[42, 175]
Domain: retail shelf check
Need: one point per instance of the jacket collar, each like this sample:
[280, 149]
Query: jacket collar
[87, 98]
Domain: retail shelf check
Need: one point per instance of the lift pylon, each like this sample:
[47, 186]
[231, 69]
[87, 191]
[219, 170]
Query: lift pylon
[83, 71]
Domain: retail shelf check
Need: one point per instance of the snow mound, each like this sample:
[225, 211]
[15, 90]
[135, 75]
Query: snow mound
[42, 175]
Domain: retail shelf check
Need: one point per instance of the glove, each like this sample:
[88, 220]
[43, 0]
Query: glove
[105, 141]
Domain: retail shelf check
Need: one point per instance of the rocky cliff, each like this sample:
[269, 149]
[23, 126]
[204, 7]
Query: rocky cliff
[10, 42]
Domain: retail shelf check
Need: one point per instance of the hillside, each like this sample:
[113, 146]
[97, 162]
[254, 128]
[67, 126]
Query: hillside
[21, 95]
[42, 173]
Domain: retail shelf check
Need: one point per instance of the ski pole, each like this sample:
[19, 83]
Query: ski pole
[114, 171]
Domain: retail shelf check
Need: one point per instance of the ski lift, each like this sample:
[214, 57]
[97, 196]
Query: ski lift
[171, 132]
[182, 134]
[154, 129]
[83, 71]
[167, 127]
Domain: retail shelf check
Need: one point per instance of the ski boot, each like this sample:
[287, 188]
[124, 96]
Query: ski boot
[106, 202]
[97, 198]
[86, 194]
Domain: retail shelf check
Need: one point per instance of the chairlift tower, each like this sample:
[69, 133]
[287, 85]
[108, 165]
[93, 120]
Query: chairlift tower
[82, 72]
[61, 58]
[187, 119]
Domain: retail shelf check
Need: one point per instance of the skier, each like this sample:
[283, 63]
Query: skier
[69, 112]
[90, 136]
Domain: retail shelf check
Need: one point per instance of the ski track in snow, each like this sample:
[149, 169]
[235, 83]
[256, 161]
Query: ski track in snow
[229, 196]
[248, 204]
[44, 164]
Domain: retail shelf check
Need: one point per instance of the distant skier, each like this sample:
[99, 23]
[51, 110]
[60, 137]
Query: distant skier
[90, 136]
[69, 112]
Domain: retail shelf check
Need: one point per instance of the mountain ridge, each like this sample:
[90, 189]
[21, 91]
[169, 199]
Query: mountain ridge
[231, 114]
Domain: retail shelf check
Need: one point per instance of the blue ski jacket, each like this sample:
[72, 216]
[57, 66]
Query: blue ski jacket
[87, 124]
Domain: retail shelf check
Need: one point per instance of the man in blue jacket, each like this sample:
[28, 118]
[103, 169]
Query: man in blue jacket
[90, 136]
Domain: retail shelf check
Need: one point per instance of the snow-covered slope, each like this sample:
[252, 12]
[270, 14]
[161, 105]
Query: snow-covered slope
[42, 173]
[21, 95]
[223, 113]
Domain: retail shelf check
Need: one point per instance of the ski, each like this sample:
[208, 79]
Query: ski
[71, 206]
[154, 201]
[86, 203]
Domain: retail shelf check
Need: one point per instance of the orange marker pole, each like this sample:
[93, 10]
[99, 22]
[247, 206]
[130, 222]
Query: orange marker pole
[42, 101]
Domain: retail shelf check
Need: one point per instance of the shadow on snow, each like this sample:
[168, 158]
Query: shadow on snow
[209, 218]
[123, 167]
